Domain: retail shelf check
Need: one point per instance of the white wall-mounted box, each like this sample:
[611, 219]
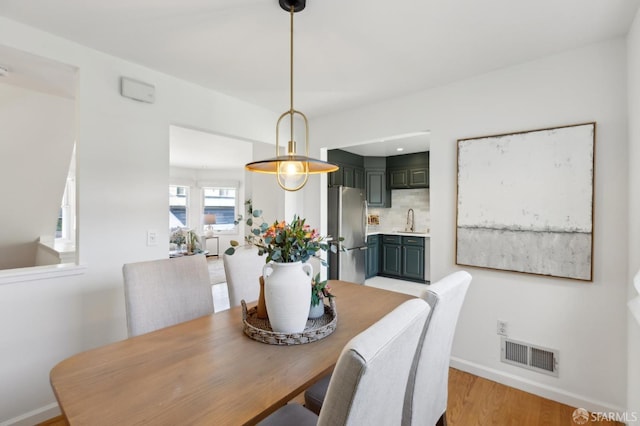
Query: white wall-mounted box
[137, 90]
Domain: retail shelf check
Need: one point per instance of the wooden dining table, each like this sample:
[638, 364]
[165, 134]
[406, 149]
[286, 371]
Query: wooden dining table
[207, 371]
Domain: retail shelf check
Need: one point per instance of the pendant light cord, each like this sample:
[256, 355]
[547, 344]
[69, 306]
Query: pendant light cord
[291, 75]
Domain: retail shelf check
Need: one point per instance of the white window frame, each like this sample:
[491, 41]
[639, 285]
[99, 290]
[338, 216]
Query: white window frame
[68, 211]
[187, 202]
[221, 228]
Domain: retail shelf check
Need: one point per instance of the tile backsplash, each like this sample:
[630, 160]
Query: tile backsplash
[395, 218]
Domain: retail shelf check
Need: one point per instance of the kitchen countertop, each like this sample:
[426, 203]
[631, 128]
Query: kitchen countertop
[406, 234]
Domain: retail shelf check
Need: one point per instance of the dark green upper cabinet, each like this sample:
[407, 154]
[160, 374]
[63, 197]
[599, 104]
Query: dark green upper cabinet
[376, 187]
[351, 172]
[358, 178]
[348, 176]
[378, 193]
[419, 178]
[378, 175]
[335, 178]
[408, 171]
[398, 178]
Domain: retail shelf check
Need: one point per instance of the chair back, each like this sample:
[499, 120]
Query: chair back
[426, 396]
[243, 270]
[161, 293]
[369, 381]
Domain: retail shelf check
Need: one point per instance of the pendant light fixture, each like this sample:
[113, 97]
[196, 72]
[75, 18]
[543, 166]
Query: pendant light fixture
[292, 170]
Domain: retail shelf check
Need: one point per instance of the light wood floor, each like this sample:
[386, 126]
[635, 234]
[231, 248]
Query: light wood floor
[474, 401]
[477, 401]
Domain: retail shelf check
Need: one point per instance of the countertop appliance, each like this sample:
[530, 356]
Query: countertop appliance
[347, 218]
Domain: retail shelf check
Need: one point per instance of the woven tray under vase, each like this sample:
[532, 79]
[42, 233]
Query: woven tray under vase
[316, 329]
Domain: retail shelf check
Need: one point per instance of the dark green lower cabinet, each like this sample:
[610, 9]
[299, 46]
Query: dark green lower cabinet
[391, 259]
[373, 256]
[403, 257]
[413, 262]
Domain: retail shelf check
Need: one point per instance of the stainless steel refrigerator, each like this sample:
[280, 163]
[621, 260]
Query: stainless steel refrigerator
[347, 218]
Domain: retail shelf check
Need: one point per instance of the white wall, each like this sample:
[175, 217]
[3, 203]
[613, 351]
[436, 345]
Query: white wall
[264, 191]
[123, 175]
[633, 334]
[586, 322]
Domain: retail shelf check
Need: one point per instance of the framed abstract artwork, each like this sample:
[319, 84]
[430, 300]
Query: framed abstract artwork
[525, 201]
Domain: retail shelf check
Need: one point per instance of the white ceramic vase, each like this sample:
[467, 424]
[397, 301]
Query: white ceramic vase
[287, 294]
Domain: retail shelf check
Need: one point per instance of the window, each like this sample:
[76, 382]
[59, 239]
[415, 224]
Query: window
[66, 224]
[32, 206]
[178, 202]
[223, 203]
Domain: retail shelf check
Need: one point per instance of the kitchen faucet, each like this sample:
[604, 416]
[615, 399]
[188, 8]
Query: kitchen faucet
[410, 221]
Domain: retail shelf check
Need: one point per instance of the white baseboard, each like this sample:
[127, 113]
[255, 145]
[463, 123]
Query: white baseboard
[542, 390]
[33, 417]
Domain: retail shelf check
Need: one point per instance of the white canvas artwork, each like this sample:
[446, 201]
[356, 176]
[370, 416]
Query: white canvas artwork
[525, 202]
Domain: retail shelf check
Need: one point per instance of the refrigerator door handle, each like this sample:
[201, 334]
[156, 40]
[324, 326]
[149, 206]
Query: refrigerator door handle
[365, 221]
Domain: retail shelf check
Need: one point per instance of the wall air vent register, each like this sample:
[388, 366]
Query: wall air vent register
[536, 358]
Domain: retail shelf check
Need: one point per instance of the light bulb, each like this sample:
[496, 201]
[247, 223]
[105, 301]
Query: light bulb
[292, 175]
[290, 168]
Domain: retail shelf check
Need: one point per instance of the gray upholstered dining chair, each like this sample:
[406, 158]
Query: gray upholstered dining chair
[370, 378]
[243, 270]
[165, 292]
[426, 395]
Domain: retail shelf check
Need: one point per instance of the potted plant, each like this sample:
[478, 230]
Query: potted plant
[319, 290]
[287, 276]
[185, 240]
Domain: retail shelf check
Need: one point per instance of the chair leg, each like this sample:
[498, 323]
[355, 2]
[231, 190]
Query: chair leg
[442, 421]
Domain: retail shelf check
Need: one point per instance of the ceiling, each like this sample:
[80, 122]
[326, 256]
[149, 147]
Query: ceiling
[193, 149]
[347, 53]
[397, 145]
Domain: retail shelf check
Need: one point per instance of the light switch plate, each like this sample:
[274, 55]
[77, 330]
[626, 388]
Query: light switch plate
[152, 237]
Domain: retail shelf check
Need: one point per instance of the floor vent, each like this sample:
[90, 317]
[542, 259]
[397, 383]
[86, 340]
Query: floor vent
[529, 356]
